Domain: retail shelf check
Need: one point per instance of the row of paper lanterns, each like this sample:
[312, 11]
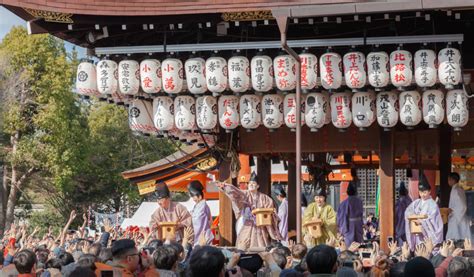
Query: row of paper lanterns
[342, 109]
[262, 73]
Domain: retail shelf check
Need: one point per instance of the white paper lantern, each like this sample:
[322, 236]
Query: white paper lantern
[449, 69]
[309, 71]
[331, 71]
[284, 67]
[363, 109]
[173, 75]
[184, 112]
[86, 79]
[354, 70]
[216, 75]
[387, 109]
[150, 75]
[228, 112]
[129, 77]
[289, 110]
[410, 108]
[272, 112]
[239, 74]
[457, 109]
[250, 111]
[140, 117]
[262, 73]
[378, 69]
[433, 107]
[206, 113]
[107, 71]
[425, 68]
[163, 113]
[196, 75]
[401, 73]
[341, 113]
[316, 110]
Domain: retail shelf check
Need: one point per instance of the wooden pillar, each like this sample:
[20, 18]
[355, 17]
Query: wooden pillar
[387, 185]
[292, 197]
[444, 163]
[226, 219]
[264, 175]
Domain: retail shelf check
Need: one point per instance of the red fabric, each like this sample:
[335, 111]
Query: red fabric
[442, 269]
[11, 244]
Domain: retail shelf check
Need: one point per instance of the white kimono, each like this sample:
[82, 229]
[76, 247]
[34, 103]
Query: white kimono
[283, 224]
[458, 222]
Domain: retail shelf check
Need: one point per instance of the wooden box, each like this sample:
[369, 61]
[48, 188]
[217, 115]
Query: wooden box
[314, 228]
[264, 216]
[168, 229]
[414, 227]
[444, 214]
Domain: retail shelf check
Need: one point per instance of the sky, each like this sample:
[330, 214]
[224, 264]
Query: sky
[8, 20]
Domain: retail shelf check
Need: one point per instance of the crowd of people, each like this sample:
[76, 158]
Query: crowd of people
[178, 243]
[140, 254]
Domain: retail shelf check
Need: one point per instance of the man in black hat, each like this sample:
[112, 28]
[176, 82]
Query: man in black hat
[243, 203]
[169, 211]
[282, 213]
[201, 214]
[432, 226]
[349, 216]
[400, 207]
[319, 209]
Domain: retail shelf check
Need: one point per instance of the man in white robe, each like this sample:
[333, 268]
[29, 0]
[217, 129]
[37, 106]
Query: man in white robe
[458, 221]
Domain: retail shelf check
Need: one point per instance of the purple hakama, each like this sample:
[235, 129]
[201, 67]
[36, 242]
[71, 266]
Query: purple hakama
[349, 219]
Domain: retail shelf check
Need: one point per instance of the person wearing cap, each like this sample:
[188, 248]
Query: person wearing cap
[319, 209]
[432, 226]
[243, 203]
[400, 207]
[282, 214]
[458, 221]
[201, 214]
[349, 217]
[169, 211]
[125, 259]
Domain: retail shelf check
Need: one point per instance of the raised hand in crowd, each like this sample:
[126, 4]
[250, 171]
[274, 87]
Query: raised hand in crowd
[393, 247]
[353, 247]
[331, 242]
[468, 244]
[422, 251]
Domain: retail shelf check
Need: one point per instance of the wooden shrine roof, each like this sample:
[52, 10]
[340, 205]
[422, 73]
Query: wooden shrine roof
[172, 166]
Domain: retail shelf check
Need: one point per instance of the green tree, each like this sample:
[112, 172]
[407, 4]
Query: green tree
[42, 127]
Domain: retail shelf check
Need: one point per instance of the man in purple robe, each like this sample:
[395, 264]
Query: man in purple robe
[282, 214]
[402, 203]
[201, 214]
[349, 217]
[432, 226]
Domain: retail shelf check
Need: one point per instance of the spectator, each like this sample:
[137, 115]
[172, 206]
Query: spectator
[25, 263]
[398, 269]
[381, 268]
[346, 272]
[53, 268]
[419, 267]
[279, 259]
[83, 272]
[459, 267]
[166, 259]
[206, 261]
[125, 256]
[321, 260]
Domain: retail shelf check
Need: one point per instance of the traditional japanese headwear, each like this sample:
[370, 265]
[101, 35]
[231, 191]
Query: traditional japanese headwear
[279, 191]
[162, 191]
[351, 189]
[402, 190]
[423, 184]
[253, 177]
[320, 192]
[195, 188]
